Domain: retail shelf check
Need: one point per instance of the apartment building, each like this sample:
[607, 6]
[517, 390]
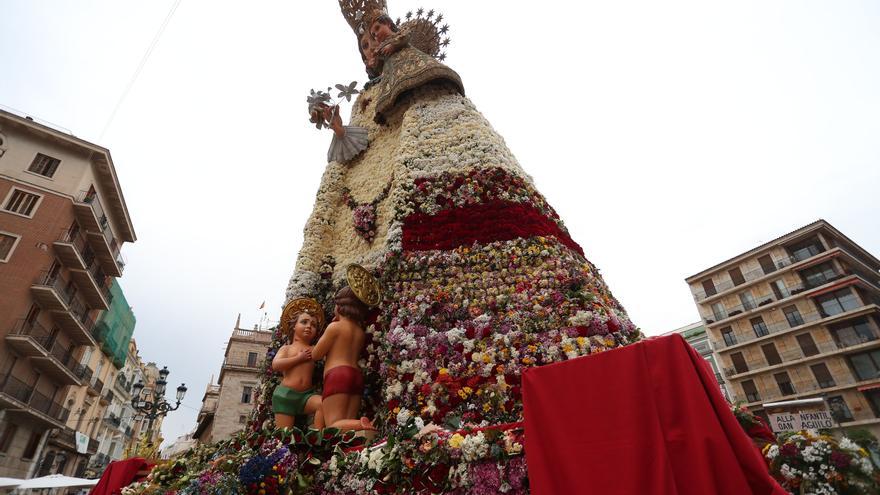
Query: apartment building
[63, 220]
[227, 406]
[798, 318]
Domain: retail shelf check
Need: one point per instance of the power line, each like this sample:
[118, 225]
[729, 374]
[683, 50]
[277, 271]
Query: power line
[140, 66]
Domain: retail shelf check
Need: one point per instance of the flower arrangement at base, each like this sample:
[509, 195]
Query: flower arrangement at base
[812, 464]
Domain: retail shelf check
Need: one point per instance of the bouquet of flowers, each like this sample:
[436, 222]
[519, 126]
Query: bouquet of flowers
[809, 463]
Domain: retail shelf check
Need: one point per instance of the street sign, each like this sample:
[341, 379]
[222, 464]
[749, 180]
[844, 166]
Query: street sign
[801, 420]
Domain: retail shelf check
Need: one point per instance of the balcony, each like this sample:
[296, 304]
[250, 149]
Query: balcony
[72, 250]
[20, 399]
[797, 356]
[756, 274]
[245, 364]
[741, 310]
[66, 438]
[107, 397]
[96, 386]
[93, 286]
[113, 421]
[803, 388]
[122, 385]
[92, 218]
[30, 339]
[52, 294]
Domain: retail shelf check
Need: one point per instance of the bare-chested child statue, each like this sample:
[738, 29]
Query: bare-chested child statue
[301, 321]
[341, 346]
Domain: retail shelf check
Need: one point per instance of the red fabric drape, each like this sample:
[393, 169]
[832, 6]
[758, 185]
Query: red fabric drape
[118, 475]
[645, 419]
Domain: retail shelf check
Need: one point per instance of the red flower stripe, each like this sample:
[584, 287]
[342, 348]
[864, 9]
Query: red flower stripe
[491, 221]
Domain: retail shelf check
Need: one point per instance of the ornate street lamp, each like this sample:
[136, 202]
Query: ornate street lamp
[152, 404]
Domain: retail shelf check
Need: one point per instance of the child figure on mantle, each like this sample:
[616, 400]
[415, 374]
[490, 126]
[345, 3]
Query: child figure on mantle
[390, 40]
[295, 395]
[341, 346]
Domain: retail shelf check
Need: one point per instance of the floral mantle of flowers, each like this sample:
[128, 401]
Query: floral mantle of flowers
[417, 459]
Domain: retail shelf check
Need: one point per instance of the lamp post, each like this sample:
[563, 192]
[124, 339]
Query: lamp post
[156, 406]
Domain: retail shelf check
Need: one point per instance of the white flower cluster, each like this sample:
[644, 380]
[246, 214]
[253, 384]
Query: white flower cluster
[474, 447]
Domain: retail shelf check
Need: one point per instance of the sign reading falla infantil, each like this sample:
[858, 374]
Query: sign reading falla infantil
[803, 420]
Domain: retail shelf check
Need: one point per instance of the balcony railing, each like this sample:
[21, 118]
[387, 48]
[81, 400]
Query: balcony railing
[22, 392]
[103, 222]
[797, 354]
[768, 299]
[242, 363]
[97, 385]
[754, 274]
[107, 397]
[41, 337]
[807, 387]
[113, 420]
[771, 328]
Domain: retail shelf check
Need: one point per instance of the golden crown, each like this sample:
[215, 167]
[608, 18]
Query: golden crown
[300, 305]
[424, 29]
[360, 13]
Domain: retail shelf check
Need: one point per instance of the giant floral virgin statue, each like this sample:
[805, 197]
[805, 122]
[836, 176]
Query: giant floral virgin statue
[480, 277]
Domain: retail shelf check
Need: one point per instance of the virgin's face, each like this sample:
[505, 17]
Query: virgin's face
[304, 328]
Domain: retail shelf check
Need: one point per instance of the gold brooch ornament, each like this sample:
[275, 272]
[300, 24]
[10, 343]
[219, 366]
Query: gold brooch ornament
[299, 305]
[363, 284]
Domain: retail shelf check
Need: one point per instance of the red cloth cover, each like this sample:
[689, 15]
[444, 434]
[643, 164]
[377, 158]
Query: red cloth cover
[118, 475]
[645, 419]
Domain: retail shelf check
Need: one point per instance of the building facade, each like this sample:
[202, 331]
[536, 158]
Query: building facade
[63, 220]
[227, 406]
[797, 318]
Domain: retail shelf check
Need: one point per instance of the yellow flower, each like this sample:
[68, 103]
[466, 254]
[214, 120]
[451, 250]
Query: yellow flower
[456, 440]
[487, 407]
[581, 341]
[444, 371]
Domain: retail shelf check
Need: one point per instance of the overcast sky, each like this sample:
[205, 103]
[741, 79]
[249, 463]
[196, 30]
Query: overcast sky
[668, 135]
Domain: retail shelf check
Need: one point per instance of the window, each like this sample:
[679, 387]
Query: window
[747, 300]
[838, 302]
[22, 202]
[819, 274]
[8, 435]
[44, 165]
[771, 354]
[852, 333]
[728, 336]
[784, 383]
[759, 326]
[7, 245]
[32, 445]
[718, 311]
[242, 420]
[779, 289]
[823, 376]
[808, 345]
[767, 264]
[709, 287]
[739, 362]
[805, 249]
[246, 395]
[737, 276]
[252, 359]
[873, 398]
[750, 391]
[839, 410]
[866, 365]
[793, 316]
